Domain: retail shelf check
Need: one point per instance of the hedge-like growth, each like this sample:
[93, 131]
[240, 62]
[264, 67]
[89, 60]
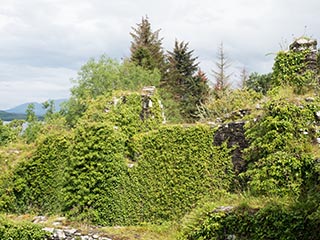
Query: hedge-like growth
[23, 231]
[88, 175]
[291, 69]
[176, 167]
[35, 184]
[95, 173]
[280, 157]
[274, 221]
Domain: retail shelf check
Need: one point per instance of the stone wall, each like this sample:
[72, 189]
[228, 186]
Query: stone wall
[304, 43]
[233, 134]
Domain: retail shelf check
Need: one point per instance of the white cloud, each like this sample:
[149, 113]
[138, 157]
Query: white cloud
[24, 83]
[46, 41]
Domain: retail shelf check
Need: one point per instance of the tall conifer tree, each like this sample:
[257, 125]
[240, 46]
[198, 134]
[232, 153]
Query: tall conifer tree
[182, 80]
[146, 47]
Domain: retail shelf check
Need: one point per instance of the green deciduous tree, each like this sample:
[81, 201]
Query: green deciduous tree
[31, 115]
[101, 77]
[49, 106]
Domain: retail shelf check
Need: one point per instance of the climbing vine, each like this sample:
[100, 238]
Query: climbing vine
[290, 68]
[279, 155]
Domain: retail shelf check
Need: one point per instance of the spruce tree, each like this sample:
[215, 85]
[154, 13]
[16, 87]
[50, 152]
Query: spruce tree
[187, 87]
[146, 47]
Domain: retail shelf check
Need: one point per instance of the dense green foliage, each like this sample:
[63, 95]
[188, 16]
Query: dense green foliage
[176, 167]
[290, 68]
[23, 230]
[103, 76]
[9, 132]
[223, 108]
[33, 125]
[146, 49]
[94, 173]
[259, 82]
[127, 111]
[35, 184]
[187, 87]
[279, 155]
[273, 221]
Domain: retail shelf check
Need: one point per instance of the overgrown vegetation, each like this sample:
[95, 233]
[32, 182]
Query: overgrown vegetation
[82, 172]
[20, 230]
[245, 219]
[290, 68]
[109, 159]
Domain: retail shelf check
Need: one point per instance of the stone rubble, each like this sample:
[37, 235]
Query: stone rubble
[72, 234]
[61, 232]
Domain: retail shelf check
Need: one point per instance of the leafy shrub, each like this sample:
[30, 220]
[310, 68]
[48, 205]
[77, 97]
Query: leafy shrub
[279, 155]
[9, 132]
[231, 101]
[95, 172]
[175, 167]
[290, 68]
[125, 111]
[35, 183]
[261, 83]
[23, 231]
[273, 221]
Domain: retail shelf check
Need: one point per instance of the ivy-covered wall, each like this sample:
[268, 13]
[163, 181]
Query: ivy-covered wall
[291, 68]
[176, 166]
[95, 173]
[35, 184]
[244, 222]
[279, 156]
[118, 168]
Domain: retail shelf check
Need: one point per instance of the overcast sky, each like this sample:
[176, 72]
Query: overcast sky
[44, 43]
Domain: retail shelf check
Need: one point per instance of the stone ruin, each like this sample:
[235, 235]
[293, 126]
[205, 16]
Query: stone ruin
[146, 94]
[234, 134]
[304, 43]
[146, 112]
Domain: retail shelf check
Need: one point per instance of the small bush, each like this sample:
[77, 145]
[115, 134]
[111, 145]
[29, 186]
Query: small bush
[23, 231]
[275, 220]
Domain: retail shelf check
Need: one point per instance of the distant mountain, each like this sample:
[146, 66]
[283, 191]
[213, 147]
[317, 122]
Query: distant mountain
[38, 109]
[5, 116]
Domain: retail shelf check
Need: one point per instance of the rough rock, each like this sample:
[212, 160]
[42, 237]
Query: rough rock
[223, 209]
[72, 233]
[39, 219]
[304, 43]
[233, 133]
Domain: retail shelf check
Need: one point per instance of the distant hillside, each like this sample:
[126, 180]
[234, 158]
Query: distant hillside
[6, 116]
[39, 111]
